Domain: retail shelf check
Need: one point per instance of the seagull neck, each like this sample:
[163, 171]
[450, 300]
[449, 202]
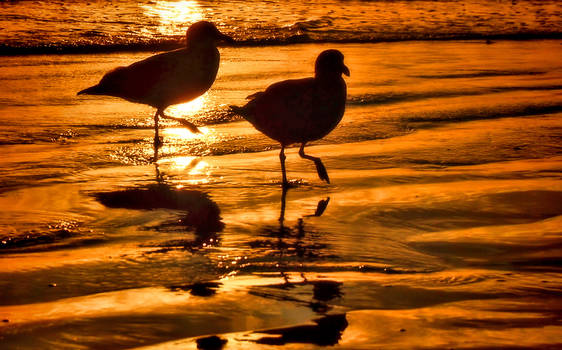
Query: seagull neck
[200, 45]
[327, 76]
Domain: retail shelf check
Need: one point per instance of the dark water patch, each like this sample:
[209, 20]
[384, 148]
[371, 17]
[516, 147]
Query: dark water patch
[11, 180]
[113, 126]
[62, 235]
[479, 74]
[541, 264]
[508, 323]
[515, 207]
[201, 289]
[539, 346]
[126, 331]
[41, 63]
[328, 264]
[397, 97]
[47, 243]
[88, 48]
[205, 237]
[499, 111]
[369, 295]
[41, 136]
[55, 233]
[502, 256]
[128, 141]
[107, 274]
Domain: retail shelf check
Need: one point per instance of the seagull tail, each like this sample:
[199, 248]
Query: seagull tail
[92, 90]
[247, 111]
[244, 111]
[238, 110]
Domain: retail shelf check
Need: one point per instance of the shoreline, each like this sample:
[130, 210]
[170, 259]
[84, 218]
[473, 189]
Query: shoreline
[88, 49]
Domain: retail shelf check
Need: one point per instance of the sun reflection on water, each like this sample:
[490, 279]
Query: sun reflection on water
[187, 109]
[184, 133]
[198, 170]
[174, 16]
[194, 165]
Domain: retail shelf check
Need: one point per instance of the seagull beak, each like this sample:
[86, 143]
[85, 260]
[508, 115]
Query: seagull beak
[225, 38]
[345, 70]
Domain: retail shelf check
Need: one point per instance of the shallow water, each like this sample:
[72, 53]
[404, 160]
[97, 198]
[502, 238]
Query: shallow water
[441, 226]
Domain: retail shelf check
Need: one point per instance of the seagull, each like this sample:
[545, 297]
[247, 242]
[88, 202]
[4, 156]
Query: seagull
[301, 110]
[168, 78]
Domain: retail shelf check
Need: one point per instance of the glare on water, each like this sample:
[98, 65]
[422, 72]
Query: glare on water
[173, 16]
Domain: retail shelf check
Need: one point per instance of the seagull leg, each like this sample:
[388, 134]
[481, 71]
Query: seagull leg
[282, 214]
[282, 159]
[192, 127]
[320, 168]
[157, 142]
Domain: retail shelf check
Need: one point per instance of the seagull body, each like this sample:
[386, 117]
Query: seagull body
[301, 110]
[168, 78]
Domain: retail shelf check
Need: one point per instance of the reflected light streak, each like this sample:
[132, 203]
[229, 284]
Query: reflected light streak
[187, 109]
[194, 166]
[185, 134]
[179, 163]
[174, 16]
[199, 168]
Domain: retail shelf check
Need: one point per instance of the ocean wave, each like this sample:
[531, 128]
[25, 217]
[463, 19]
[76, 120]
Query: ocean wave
[293, 35]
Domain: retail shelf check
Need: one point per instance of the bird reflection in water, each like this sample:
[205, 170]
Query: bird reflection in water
[286, 243]
[289, 245]
[201, 213]
[324, 331]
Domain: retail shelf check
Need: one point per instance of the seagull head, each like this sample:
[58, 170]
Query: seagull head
[330, 62]
[204, 32]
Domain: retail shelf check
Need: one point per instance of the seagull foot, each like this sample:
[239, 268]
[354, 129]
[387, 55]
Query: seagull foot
[192, 127]
[321, 169]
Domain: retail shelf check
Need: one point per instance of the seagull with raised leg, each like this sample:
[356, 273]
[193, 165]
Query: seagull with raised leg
[168, 78]
[301, 110]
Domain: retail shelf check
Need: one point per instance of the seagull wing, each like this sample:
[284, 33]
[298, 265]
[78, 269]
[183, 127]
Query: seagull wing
[141, 80]
[284, 109]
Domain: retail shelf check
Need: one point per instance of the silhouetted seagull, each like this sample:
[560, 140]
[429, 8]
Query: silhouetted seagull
[168, 78]
[301, 110]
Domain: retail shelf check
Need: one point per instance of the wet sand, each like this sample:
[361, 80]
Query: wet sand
[441, 228]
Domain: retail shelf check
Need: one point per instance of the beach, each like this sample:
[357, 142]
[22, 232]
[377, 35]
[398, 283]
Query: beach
[440, 227]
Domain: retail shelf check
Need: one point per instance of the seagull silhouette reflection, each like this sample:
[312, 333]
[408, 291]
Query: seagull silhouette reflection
[289, 243]
[201, 214]
[286, 245]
